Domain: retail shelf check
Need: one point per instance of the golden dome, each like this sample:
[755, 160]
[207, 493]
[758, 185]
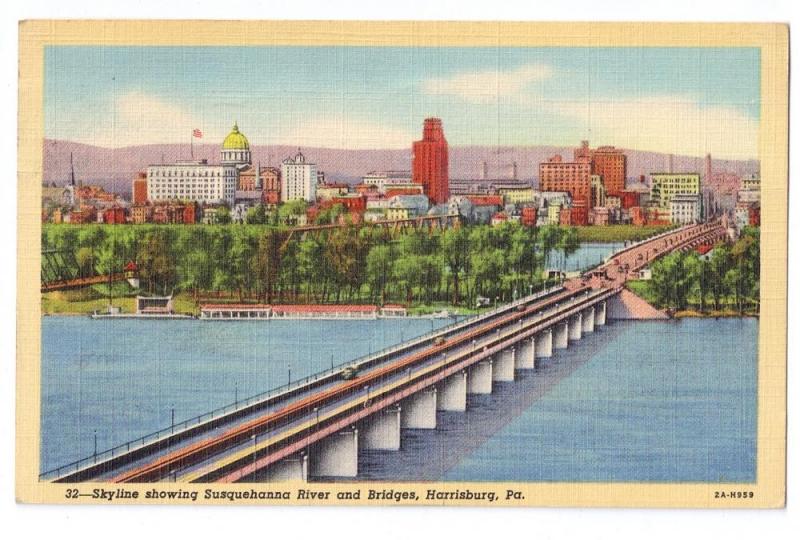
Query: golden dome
[235, 140]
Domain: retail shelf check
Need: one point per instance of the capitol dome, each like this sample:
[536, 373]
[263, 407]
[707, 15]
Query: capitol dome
[235, 140]
[235, 148]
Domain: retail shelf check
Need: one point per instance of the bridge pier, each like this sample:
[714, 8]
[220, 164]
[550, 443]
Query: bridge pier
[575, 325]
[419, 410]
[561, 335]
[526, 357]
[291, 469]
[588, 320]
[452, 395]
[479, 380]
[600, 314]
[381, 431]
[543, 344]
[336, 455]
[503, 368]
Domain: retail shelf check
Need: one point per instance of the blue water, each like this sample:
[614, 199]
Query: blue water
[587, 256]
[662, 401]
[122, 378]
[634, 401]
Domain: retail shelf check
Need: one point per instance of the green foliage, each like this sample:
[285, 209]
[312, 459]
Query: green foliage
[260, 262]
[256, 215]
[619, 233]
[729, 280]
[222, 215]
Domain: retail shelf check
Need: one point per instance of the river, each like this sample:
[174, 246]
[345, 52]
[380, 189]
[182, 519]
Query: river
[635, 401]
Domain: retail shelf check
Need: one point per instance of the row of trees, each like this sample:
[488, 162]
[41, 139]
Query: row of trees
[348, 264]
[729, 278]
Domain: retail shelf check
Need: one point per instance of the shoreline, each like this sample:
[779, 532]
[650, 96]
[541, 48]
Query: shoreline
[692, 314]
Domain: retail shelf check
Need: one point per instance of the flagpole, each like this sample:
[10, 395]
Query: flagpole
[191, 142]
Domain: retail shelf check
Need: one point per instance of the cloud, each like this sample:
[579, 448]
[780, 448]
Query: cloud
[487, 86]
[134, 118]
[668, 123]
[340, 131]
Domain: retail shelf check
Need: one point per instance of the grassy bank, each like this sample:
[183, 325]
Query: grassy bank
[642, 290]
[88, 300]
[619, 233]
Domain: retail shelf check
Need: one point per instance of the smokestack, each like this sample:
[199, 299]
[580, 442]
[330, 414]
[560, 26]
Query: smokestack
[513, 170]
[708, 171]
[71, 171]
[485, 171]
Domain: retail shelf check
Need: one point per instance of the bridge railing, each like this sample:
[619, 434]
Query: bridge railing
[644, 241]
[220, 412]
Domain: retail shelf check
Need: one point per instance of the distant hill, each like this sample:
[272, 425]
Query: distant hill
[114, 168]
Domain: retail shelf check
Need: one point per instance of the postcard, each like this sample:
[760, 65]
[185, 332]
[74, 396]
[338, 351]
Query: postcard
[402, 263]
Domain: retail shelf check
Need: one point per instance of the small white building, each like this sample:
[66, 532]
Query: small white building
[383, 179]
[684, 208]
[298, 179]
[417, 205]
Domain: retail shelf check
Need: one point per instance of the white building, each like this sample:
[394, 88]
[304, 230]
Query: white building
[199, 181]
[298, 179]
[384, 179]
[684, 208]
[751, 182]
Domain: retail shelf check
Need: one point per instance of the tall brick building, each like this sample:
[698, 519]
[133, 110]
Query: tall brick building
[608, 162]
[140, 188]
[574, 178]
[429, 163]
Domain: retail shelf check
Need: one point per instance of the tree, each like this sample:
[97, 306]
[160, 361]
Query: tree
[407, 272]
[85, 259]
[380, 264]
[268, 262]
[256, 215]
[289, 211]
[719, 265]
[455, 250]
[568, 243]
[549, 236]
[310, 265]
[222, 215]
[671, 281]
[156, 260]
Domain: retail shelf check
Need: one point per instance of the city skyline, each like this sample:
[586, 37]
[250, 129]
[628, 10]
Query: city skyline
[126, 96]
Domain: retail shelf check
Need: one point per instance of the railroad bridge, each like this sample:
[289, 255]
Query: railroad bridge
[317, 427]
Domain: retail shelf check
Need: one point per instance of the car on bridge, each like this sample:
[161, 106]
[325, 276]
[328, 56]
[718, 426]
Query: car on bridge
[349, 373]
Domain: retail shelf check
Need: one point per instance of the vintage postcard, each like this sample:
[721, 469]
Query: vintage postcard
[402, 263]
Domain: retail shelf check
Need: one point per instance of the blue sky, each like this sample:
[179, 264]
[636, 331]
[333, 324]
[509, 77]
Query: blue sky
[683, 100]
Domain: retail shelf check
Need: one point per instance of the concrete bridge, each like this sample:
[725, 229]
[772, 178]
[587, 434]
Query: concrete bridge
[318, 428]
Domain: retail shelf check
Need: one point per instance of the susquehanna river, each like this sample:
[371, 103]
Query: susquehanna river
[635, 401]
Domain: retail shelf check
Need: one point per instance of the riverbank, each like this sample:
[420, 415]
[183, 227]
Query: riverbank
[641, 289]
[619, 233]
[87, 301]
[713, 314]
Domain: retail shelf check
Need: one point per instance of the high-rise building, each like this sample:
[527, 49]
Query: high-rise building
[664, 186]
[140, 188]
[298, 179]
[574, 178]
[429, 163]
[608, 162]
[611, 164]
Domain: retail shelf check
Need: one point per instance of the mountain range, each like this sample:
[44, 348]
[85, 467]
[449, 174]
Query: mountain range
[115, 168]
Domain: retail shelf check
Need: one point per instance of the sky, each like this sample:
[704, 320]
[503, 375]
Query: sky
[687, 101]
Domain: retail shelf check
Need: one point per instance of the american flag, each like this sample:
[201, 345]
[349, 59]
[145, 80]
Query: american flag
[197, 133]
